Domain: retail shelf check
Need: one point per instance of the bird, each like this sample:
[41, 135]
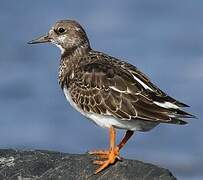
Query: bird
[111, 92]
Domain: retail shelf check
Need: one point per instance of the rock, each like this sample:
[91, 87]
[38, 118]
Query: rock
[47, 165]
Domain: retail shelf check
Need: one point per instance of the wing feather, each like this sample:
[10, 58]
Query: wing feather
[110, 88]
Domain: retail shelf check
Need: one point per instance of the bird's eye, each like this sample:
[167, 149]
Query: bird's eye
[61, 30]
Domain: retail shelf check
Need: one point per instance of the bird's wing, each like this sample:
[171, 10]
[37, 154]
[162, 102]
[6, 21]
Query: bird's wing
[120, 91]
[152, 90]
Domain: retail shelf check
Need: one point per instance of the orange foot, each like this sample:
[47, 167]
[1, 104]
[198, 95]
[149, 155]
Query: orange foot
[107, 157]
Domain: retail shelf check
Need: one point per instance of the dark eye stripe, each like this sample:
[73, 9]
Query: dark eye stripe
[55, 31]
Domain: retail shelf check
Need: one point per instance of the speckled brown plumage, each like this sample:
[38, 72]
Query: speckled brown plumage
[101, 84]
[95, 75]
[111, 92]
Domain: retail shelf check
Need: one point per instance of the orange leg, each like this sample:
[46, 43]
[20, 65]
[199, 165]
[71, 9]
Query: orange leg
[112, 139]
[112, 154]
[127, 136]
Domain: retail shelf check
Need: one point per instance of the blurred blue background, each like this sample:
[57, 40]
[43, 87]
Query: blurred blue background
[162, 38]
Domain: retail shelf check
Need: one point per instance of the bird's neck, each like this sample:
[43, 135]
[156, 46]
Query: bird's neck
[75, 51]
[69, 61]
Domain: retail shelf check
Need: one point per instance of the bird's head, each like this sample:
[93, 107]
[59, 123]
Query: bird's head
[68, 35]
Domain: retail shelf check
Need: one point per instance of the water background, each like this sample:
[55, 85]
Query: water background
[162, 38]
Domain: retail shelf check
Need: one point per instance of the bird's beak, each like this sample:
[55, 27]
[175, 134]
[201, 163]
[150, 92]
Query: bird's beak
[42, 39]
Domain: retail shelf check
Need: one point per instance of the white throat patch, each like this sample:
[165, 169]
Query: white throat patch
[61, 48]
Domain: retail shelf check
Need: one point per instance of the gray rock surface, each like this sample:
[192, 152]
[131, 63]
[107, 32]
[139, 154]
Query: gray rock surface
[47, 165]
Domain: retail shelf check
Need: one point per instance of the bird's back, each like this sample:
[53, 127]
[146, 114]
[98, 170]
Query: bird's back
[101, 84]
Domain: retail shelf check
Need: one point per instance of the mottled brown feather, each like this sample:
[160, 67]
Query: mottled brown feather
[105, 85]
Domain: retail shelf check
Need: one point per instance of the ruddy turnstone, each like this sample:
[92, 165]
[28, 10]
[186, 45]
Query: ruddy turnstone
[112, 93]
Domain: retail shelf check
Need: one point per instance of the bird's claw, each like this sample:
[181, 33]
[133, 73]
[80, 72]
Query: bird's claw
[110, 157]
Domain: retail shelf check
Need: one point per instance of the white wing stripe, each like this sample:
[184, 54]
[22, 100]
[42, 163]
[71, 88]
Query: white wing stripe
[142, 83]
[116, 89]
[166, 105]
